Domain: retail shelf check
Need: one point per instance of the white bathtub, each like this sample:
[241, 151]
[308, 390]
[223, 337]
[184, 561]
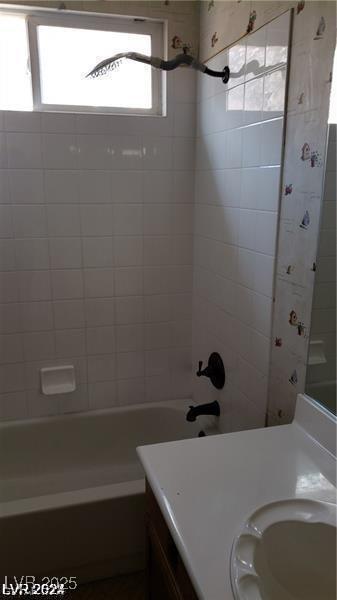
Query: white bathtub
[72, 489]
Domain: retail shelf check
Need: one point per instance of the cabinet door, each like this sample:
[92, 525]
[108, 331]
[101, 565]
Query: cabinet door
[161, 582]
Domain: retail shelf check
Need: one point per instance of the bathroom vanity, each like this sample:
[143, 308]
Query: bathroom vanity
[203, 493]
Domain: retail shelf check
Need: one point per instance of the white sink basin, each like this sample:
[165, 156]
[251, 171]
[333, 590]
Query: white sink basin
[286, 551]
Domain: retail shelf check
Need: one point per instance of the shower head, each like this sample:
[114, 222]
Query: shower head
[104, 67]
[112, 63]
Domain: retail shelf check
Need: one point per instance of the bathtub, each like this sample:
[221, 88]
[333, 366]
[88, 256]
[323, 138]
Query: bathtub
[72, 489]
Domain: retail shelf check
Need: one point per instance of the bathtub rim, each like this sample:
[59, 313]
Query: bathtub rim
[180, 404]
[50, 502]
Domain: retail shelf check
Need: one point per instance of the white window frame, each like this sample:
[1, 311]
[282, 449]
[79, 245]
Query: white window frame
[104, 22]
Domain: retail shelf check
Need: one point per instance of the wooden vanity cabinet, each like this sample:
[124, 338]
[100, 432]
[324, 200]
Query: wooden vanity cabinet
[167, 576]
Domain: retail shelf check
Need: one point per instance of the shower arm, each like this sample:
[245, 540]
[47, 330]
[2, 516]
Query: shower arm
[110, 64]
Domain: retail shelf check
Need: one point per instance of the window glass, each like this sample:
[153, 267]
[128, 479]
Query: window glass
[15, 80]
[66, 55]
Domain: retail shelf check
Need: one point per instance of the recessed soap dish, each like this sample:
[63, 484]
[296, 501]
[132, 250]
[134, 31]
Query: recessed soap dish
[58, 380]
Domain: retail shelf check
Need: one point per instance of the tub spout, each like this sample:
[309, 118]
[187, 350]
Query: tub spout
[212, 408]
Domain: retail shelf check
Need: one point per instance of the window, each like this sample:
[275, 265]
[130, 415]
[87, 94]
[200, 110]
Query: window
[62, 48]
[15, 84]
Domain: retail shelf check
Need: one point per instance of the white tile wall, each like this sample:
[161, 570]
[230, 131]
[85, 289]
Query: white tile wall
[70, 173]
[239, 148]
[96, 219]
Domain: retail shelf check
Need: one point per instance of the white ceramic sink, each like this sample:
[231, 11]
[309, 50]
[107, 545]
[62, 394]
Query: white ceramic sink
[286, 551]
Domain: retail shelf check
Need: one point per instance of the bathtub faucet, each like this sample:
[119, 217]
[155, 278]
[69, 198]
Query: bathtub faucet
[212, 408]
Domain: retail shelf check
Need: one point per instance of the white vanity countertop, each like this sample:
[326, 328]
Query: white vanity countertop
[207, 487]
